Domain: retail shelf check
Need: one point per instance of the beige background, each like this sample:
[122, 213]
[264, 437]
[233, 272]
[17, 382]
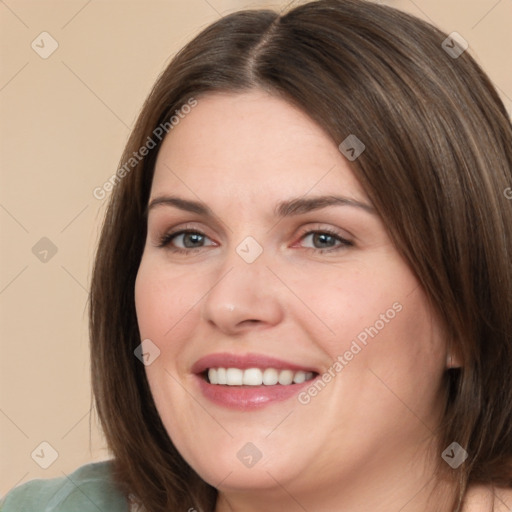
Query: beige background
[64, 121]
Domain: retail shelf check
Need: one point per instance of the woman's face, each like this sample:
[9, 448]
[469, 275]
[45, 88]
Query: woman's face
[269, 282]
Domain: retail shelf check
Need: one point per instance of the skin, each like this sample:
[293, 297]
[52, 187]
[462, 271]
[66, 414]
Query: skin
[366, 441]
[481, 498]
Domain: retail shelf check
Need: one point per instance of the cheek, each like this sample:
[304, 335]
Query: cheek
[400, 365]
[161, 299]
[164, 306]
[361, 304]
[384, 329]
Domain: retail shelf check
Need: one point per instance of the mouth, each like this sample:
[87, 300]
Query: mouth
[250, 381]
[255, 377]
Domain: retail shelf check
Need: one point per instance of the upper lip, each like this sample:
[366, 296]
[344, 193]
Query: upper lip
[244, 361]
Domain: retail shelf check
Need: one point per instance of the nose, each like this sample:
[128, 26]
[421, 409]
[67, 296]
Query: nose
[243, 296]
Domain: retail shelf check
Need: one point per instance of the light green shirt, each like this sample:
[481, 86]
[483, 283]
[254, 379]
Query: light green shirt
[88, 489]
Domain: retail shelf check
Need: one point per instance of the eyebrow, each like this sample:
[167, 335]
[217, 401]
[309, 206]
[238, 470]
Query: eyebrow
[298, 206]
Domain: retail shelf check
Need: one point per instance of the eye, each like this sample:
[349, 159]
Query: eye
[326, 240]
[187, 241]
[190, 239]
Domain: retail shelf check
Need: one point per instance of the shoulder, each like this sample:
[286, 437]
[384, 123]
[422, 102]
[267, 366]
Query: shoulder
[481, 498]
[88, 488]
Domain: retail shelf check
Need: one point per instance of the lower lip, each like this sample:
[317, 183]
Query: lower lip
[249, 397]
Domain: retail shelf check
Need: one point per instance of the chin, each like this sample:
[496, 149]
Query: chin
[243, 466]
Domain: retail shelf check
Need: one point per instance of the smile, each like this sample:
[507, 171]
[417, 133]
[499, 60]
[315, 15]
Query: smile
[256, 377]
[249, 381]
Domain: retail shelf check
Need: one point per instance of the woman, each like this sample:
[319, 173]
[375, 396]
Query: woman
[302, 296]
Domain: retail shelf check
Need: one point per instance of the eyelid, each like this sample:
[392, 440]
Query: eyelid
[323, 228]
[344, 242]
[165, 239]
[168, 234]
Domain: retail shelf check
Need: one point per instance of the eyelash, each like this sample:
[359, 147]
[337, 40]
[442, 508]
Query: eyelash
[166, 239]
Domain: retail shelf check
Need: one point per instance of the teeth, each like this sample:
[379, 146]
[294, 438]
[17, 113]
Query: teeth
[270, 377]
[234, 376]
[252, 377]
[256, 376]
[286, 377]
[221, 376]
[300, 377]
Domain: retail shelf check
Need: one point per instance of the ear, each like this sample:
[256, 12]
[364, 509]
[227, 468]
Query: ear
[453, 356]
[453, 361]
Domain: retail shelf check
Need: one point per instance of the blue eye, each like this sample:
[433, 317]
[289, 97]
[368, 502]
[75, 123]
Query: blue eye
[327, 240]
[193, 240]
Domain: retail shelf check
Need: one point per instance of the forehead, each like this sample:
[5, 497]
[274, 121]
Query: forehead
[234, 144]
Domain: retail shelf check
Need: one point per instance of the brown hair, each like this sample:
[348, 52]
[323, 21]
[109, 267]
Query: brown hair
[437, 167]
